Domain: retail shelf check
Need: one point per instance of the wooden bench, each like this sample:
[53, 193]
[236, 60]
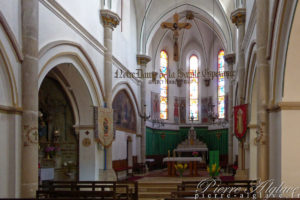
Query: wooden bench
[88, 189]
[189, 189]
[192, 185]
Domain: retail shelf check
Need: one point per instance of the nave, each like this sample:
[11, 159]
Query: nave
[144, 99]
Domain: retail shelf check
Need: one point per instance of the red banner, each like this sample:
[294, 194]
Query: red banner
[240, 120]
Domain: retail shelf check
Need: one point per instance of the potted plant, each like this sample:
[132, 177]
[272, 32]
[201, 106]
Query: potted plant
[180, 168]
[213, 170]
[50, 151]
[195, 153]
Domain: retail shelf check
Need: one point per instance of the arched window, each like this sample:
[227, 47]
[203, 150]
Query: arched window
[194, 68]
[163, 85]
[221, 85]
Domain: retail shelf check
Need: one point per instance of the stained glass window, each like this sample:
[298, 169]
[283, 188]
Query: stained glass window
[194, 67]
[221, 85]
[163, 85]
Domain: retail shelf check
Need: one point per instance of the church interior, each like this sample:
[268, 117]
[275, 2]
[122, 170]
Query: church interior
[149, 99]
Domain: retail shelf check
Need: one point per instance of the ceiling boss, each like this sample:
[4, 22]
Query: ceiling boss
[175, 27]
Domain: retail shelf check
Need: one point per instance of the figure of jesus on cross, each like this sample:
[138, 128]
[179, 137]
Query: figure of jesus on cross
[176, 27]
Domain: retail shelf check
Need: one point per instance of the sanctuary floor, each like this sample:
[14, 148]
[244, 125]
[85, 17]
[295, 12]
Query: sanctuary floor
[155, 187]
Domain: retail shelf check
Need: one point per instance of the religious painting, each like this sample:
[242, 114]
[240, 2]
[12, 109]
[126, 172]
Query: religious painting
[182, 105]
[155, 105]
[176, 110]
[240, 120]
[124, 113]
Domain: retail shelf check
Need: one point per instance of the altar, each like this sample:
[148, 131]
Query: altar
[191, 161]
[191, 151]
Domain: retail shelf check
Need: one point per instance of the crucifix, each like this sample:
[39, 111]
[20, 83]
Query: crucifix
[176, 27]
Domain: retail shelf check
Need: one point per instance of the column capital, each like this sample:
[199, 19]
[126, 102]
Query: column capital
[238, 16]
[143, 59]
[109, 18]
[230, 58]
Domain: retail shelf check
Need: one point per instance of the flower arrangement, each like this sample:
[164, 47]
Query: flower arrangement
[195, 153]
[213, 170]
[51, 150]
[180, 168]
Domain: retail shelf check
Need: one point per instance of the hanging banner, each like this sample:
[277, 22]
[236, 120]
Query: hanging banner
[240, 120]
[105, 134]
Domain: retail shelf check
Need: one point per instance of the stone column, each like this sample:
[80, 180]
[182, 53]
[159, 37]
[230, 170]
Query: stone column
[230, 60]
[30, 27]
[238, 17]
[142, 60]
[263, 89]
[110, 21]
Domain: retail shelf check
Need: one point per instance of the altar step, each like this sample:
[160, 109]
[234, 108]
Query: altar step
[150, 191]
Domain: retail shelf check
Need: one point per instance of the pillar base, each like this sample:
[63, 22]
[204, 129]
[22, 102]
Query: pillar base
[241, 174]
[107, 175]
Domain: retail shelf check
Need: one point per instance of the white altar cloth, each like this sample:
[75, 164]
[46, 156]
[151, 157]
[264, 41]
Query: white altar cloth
[201, 149]
[182, 159]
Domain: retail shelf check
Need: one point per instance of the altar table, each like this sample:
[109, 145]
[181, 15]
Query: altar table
[191, 161]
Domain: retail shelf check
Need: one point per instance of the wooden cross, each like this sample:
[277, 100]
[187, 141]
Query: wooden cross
[176, 27]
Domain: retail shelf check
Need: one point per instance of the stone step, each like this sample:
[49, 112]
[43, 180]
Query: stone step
[155, 185]
[157, 189]
[154, 195]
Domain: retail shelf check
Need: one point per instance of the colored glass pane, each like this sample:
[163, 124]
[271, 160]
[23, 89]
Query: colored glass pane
[221, 85]
[194, 68]
[163, 85]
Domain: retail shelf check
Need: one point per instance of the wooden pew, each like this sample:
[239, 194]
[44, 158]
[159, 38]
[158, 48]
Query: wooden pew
[250, 185]
[88, 189]
[189, 189]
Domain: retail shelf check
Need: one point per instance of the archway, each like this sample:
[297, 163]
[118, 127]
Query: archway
[125, 127]
[58, 142]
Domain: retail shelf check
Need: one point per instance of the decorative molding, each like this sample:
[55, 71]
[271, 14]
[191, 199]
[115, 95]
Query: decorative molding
[289, 105]
[130, 90]
[252, 126]
[83, 127]
[109, 18]
[120, 66]
[11, 109]
[10, 75]
[49, 46]
[274, 108]
[61, 13]
[143, 60]
[89, 74]
[250, 28]
[238, 16]
[11, 38]
[230, 58]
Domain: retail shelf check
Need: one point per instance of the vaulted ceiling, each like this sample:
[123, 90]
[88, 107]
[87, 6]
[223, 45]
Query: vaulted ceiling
[211, 21]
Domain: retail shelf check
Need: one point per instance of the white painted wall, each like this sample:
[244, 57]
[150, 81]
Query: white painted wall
[119, 145]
